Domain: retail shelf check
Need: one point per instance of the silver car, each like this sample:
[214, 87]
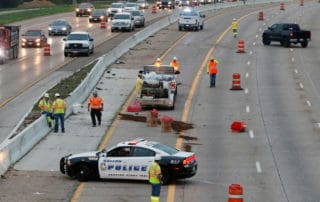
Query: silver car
[59, 27]
[139, 18]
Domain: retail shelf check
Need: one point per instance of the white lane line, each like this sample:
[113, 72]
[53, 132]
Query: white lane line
[251, 134]
[291, 49]
[301, 85]
[296, 71]
[248, 63]
[254, 43]
[308, 103]
[246, 90]
[250, 52]
[318, 125]
[260, 29]
[264, 24]
[257, 36]
[292, 59]
[258, 167]
[247, 74]
[247, 108]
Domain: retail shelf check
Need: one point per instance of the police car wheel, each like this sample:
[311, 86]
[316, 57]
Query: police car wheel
[165, 177]
[82, 172]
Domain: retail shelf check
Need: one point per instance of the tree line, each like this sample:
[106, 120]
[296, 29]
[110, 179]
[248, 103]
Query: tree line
[15, 3]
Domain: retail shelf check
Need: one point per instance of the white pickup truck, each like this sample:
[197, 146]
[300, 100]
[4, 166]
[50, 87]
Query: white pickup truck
[191, 19]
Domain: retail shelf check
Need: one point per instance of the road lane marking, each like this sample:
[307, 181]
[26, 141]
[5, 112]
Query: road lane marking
[246, 90]
[292, 59]
[260, 29]
[258, 166]
[250, 52]
[318, 125]
[264, 24]
[291, 49]
[251, 134]
[248, 109]
[301, 85]
[172, 187]
[254, 43]
[257, 36]
[308, 103]
[296, 71]
[248, 63]
[247, 74]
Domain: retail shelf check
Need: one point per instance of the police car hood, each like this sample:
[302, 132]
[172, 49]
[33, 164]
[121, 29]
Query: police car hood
[85, 154]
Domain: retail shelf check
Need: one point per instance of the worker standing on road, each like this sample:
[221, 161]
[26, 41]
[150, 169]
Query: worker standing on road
[45, 105]
[212, 70]
[139, 83]
[175, 64]
[234, 27]
[155, 179]
[157, 62]
[96, 105]
[59, 107]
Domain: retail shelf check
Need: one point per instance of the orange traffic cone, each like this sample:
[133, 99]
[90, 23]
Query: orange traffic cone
[301, 2]
[241, 46]
[260, 15]
[235, 193]
[103, 23]
[46, 49]
[282, 6]
[154, 9]
[238, 127]
[236, 82]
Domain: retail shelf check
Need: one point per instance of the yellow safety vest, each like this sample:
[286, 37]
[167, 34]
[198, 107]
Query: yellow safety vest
[59, 106]
[234, 25]
[139, 83]
[154, 172]
[45, 105]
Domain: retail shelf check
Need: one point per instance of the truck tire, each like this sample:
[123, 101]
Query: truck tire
[266, 41]
[66, 54]
[304, 44]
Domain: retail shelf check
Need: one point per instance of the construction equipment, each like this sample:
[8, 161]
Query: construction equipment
[9, 43]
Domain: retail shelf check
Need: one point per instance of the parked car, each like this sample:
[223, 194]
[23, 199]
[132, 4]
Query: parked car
[98, 15]
[59, 27]
[143, 4]
[33, 38]
[131, 7]
[115, 8]
[139, 18]
[122, 21]
[78, 43]
[84, 9]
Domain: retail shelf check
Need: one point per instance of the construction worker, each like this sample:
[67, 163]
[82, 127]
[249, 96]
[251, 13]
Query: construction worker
[139, 83]
[45, 105]
[157, 62]
[212, 70]
[59, 108]
[175, 64]
[234, 27]
[155, 179]
[96, 105]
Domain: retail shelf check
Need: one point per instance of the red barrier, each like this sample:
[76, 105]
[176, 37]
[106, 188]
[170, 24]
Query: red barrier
[154, 9]
[238, 127]
[102, 23]
[136, 107]
[46, 50]
[282, 6]
[236, 82]
[235, 193]
[260, 15]
[166, 123]
[241, 46]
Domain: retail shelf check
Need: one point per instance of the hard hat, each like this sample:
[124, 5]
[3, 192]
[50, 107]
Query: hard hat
[57, 95]
[46, 95]
[157, 158]
[234, 19]
[175, 58]
[158, 59]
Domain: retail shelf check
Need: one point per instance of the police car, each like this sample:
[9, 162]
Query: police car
[130, 160]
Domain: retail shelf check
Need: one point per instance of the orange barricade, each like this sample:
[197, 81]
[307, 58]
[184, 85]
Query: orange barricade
[240, 46]
[166, 123]
[235, 193]
[154, 9]
[238, 127]
[152, 118]
[236, 82]
[260, 15]
[46, 49]
[136, 107]
[282, 6]
[301, 2]
[102, 23]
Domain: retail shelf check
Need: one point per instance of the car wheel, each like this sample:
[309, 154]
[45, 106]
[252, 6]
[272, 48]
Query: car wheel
[304, 44]
[201, 27]
[112, 30]
[87, 53]
[66, 54]
[165, 179]
[266, 41]
[180, 28]
[82, 173]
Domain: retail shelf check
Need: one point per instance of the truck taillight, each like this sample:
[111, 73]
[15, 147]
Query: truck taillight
[291, 34]
[189, 159]
[173, 85]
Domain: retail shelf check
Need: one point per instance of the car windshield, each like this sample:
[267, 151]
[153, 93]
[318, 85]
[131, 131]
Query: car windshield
[59, 23]
[188, 13]
[77, 37]
[121, 17]
[84, 6]
[131, 5]
[32, 33]
[98, 12]
[166, 148]
[116, 5]
[141, 1]
[135, 13]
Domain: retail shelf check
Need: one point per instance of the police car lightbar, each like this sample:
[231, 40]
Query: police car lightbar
[136, 141]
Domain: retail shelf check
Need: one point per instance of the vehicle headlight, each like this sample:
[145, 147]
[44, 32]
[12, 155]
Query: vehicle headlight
[64, 28]
[101, 17]
[90, 16]
[109, 10]
[37, 40]
[24, 40]
[50, 28]
[169, 2]
[77, 9]
[1, 52]
[89, 10]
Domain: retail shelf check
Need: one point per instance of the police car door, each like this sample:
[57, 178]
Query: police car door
[115, 163]
[140, 161]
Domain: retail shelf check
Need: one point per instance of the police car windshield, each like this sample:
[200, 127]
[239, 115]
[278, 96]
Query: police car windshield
[166, 148]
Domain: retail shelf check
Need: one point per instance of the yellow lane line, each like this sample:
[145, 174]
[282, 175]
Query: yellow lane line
[185, 114]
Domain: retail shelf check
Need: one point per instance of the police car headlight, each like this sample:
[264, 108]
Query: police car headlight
[69, 163]
[50, 28]
[64, 28]
[77, 9]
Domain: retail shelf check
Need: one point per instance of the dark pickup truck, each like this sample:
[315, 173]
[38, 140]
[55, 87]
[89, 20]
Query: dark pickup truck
[286, 33]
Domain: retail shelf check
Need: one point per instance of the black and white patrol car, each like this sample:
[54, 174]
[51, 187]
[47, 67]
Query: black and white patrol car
[130, 160]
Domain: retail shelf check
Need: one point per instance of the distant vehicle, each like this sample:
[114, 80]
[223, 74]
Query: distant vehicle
[115, 8]
[131, 7]
[170, 4]
[98, 15]
[9, 43]
[84, 9]
[191, 19]
[139, 18]
[185, 3]
[206, 1]
[130, 160]
[33, 38]
[143, 4]
[78, 43]
[286, 33]
[122, 21]
[59, 27]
